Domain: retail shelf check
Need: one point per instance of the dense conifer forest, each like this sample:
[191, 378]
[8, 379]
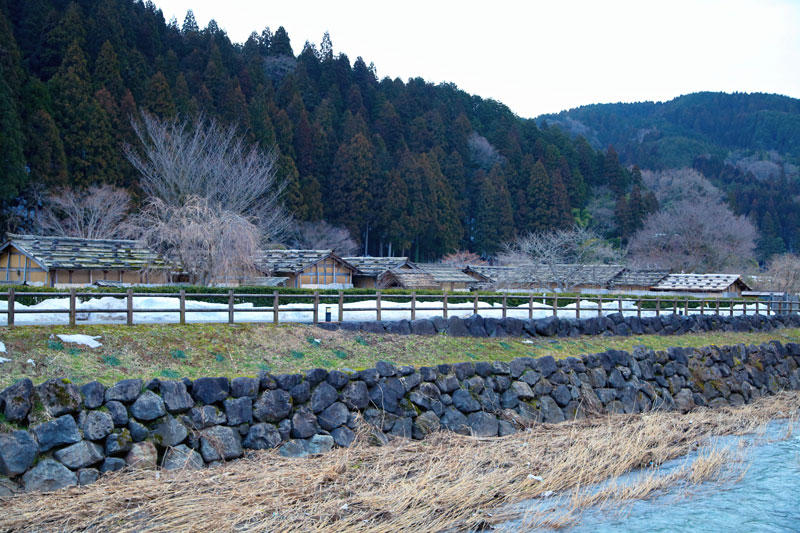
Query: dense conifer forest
[407, 166]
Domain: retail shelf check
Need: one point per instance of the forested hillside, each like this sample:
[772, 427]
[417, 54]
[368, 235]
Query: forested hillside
[748, 145]
[425, 168]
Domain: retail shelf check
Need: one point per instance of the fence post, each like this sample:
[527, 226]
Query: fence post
[530, 307]
[745, 307]
[129, 307]
[730, 306]
[702, 307]
[230, 306]
[600, 306]
[413, 305]
[505, 304]
[577, 307]
[378, 305]
[11, 297]
[72, 306]
[444, 306]
[658, 305]
[555, 305]
[639, 308]
[183, 307]
[674, 306]
[475, 305]
[717, 306]
[316, 307]
[620, 305]
[341, 306]
[275, 304]
[686, 307]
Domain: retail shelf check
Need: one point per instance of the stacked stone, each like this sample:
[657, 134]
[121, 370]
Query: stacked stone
[69, 435]
[612, 324]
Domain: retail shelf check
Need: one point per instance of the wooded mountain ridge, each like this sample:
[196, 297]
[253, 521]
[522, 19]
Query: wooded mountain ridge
[408, 167]
[748, 145]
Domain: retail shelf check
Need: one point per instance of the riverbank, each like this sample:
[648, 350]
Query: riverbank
[197, 350]
[446, 482]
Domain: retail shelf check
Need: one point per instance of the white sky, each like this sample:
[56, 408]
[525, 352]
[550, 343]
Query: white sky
[543, 56]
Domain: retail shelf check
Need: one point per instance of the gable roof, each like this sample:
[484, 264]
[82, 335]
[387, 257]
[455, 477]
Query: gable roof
[445, 273]
[531, 274]
[412, 279]
[295, 261]
[375, 266]
[699, 282]
[639, 278]
[74, 253]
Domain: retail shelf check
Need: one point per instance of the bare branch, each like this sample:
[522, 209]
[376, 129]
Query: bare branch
[323, 236]
[96, 213]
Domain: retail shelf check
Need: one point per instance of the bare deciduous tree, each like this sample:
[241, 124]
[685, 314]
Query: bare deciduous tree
[210, 242]
[783, 274]
[680, 184]
[98, 212]
[204, 180]
[693, 236]
[463, 258]
[563, 257]
[323, 236]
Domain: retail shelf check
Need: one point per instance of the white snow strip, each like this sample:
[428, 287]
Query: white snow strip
[4, 360]
[86, 340]
[2, 347]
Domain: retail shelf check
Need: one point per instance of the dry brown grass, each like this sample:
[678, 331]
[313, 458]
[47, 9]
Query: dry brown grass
[447, 482]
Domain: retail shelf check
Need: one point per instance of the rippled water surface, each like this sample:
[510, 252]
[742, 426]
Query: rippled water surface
[766, 499]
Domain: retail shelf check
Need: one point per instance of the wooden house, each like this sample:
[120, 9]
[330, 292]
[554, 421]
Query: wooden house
[312, 269]
[717, 285]
[72, 261]
[636, 280]
[546, 277]
[372, 269]
[448, 277]
[408, 279]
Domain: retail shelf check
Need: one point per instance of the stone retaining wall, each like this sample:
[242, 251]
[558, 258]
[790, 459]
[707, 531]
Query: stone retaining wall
[611, 324]
[70, 434]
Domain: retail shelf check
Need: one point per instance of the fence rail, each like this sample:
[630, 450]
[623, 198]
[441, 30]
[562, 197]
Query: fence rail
[585, 306]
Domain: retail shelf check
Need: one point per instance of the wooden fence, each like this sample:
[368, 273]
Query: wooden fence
[413, 303]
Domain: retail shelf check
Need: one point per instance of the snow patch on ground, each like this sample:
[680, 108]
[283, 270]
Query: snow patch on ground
[86, 340]
[2, 347]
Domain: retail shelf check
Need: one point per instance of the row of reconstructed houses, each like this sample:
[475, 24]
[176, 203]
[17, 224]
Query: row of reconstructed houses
[69, 261]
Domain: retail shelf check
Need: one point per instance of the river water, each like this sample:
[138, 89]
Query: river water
[766, 499]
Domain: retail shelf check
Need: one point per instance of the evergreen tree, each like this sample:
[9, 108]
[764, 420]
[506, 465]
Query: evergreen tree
[158, 99]
[349, 203]
[12, 157]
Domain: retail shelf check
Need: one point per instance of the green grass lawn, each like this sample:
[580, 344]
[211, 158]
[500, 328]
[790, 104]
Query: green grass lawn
[172, 351]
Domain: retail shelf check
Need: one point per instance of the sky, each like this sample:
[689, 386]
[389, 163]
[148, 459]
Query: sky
[543, 56]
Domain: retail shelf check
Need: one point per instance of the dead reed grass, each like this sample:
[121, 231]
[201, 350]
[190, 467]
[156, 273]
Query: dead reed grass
[444, 483]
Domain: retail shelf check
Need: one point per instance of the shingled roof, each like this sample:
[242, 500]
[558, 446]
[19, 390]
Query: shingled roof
[532, 275]
[73, 253]
[375, 266]
[294, 261]
[638, 278]
[409, 279]
[445, 273]
[699, 282]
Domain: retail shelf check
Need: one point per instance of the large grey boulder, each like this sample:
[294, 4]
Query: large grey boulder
[176, 397]
[323, 396]
[550, 410]
[169, 432]
[148, 406]
[454, 420]
[343, 436]
[206, 416]
[319, 444]
[119, 442]
[293, 448]
[262, 436]
[425, 424]
[80, 455]
[17, 400]
[272, 406]
[244, 387]
[93, 394]
[143, 456]
[210, 390]
[304, 424]
[333, 416]
[220, 442]
[62, 430]
[48, 475]
[464, 402]
[87, 476]
[239, 410]
[18, 450]
[124, 391]
[355, 395]
[97, 425]
[118, 412]
[182, 457]
[59, 397]
[482, 424]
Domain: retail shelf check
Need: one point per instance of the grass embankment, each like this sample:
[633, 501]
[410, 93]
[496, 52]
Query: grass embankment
[171, 351]
[445, 483]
